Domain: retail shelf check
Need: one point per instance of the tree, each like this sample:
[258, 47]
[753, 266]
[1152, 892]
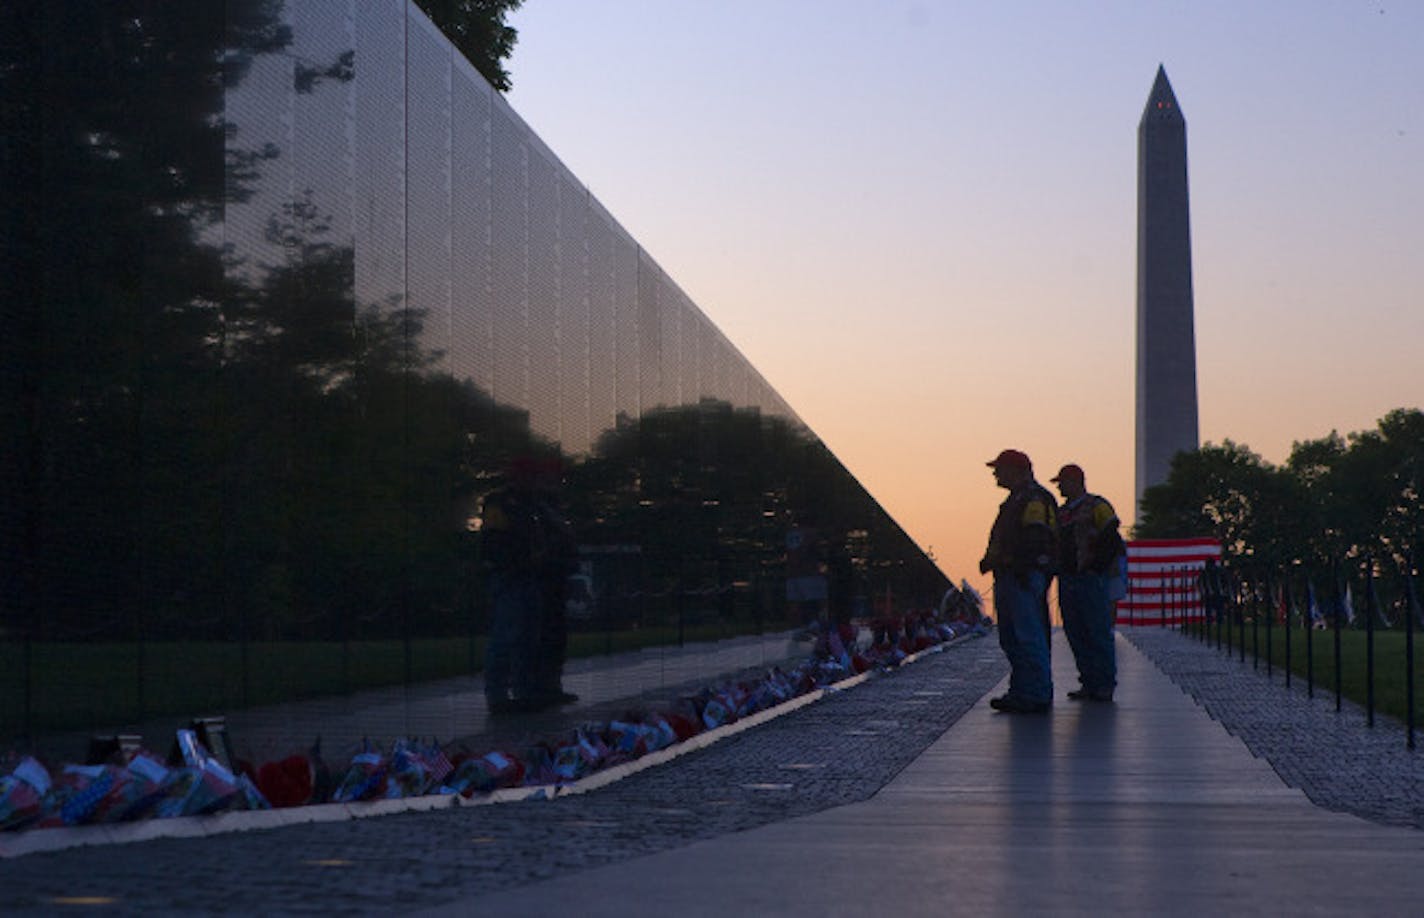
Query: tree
[1229, 492]
[1315, 464]
[1379, 486]
[1335, 498]
[477, 28]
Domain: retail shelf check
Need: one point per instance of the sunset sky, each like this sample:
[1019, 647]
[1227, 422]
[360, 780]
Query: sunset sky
[918, 219]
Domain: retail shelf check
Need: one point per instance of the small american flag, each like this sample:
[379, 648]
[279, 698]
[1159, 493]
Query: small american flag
[1163, 579]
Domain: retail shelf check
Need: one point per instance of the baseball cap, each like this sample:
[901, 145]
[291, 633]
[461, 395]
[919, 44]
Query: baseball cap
[1011, 457]
[1068, 471]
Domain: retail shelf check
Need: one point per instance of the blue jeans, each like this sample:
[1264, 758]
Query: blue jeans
[509, 655]
[1020, 603]
[1087, 623]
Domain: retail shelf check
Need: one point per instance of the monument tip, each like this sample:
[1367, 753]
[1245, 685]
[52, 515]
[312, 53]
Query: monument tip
[1162, 101]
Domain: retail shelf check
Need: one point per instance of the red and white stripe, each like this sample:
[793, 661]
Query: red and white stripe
[1162, 579]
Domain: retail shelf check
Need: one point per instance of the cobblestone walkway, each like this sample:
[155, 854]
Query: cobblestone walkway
[1339, 761]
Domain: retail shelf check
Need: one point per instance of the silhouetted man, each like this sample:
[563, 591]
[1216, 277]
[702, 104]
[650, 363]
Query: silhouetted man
[1088, 549]
[1021, 554]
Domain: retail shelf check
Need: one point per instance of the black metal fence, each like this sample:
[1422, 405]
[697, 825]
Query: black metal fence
[1364, 610]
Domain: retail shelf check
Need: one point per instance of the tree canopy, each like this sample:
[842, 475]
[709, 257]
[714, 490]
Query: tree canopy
[478, 29]
[1335, 497]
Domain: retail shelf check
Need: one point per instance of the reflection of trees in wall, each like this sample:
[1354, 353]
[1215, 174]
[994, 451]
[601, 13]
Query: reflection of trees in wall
[114, 168]
[208, 445]
[708, 491]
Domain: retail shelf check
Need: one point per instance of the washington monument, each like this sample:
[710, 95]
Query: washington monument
[1166, 345]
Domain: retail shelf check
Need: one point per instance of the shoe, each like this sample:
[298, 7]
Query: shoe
[1014, 704]
[1085, 694]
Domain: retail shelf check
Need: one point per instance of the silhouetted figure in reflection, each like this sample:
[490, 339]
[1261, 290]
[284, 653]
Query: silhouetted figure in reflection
[530, 550]
[806, 592]
[840, 575]
[551, 638]
[1021, 551]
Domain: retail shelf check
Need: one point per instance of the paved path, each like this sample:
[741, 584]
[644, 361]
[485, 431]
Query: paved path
[1146, 806]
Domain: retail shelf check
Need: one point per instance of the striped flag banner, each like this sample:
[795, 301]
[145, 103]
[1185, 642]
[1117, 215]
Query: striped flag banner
[1163, 580]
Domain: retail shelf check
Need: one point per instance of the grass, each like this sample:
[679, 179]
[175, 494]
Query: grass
[1390, 667]
[77, 686]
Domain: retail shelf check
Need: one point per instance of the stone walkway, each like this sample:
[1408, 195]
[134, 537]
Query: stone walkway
[1334, 757]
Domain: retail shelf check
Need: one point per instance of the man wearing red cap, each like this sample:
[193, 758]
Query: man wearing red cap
[1021, 553]
[1088, 548]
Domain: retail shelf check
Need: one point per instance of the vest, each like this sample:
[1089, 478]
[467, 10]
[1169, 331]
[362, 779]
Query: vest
[1025, 531]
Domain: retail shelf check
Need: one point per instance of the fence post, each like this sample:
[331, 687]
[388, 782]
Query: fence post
[1411, 604]
[1204, 624]
[1371, 610]
[1288, 601]
[1309, 638]
[1177, 598]
[1221, 607]
[1255, 621]
[1270, 617]
[1240, 621]
[1178, 601]
[1165, 587]
[1194, 602]
[1338, 596]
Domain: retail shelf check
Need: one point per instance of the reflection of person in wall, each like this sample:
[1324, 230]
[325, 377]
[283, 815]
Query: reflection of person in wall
[551, 640]
[840, 576]
[806, 594]
[529, 548]
[1021, 555]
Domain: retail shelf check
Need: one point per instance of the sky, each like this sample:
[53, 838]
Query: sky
[918, 219]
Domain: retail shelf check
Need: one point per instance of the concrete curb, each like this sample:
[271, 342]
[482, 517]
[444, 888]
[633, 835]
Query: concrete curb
[56, 839]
